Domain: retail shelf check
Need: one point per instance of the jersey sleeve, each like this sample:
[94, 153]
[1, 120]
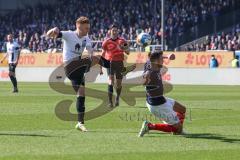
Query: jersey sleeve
[89, 47]
[64, 34]
[17, 46]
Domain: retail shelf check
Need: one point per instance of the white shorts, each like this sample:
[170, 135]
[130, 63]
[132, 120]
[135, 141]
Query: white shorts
[165, 111]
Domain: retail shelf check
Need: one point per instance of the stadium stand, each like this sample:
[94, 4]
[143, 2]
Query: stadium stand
[29, 25]
[222, 41]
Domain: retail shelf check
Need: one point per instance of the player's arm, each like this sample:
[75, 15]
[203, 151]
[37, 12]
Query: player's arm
[125, 47]
[146, 78]
[100, 67]
[53, 33]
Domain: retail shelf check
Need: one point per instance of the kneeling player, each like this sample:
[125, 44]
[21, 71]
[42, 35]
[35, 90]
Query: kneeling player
[171, 112]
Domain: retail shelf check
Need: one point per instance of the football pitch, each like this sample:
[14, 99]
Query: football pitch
[29, 128]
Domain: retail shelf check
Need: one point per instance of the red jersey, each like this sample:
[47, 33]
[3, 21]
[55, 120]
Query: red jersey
[112, 50]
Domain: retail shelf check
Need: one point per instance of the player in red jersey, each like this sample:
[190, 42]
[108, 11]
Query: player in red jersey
[114, 48]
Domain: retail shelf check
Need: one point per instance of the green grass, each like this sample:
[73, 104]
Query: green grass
[29, 128]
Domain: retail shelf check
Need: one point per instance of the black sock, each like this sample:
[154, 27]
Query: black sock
[80, 105]
[103, 62]
[14, 81]
[110, 93]
[118, 90]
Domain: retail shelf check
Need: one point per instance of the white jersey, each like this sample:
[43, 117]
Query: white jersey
[12, 51]
[73, 46]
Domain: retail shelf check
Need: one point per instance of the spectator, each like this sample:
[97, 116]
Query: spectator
[235, 62]
[180, 16]
[213, 62]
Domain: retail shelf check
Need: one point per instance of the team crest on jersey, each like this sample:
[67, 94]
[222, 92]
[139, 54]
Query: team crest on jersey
[77, 47]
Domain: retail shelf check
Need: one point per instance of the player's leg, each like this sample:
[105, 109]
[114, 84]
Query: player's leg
[110, 89]
[79, 87]
[180, 110]
[174, 111]
[106, 64]
[118, 90]
[78, 83]
[164, 112]
[12, 77]
[117, 67]
[101, 61]
[168, 128]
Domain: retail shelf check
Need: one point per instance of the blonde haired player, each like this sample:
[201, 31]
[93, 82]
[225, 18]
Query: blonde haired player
[74, 43]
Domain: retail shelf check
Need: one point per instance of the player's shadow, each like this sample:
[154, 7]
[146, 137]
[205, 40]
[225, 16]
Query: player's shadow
[210, 136]
[25, 135]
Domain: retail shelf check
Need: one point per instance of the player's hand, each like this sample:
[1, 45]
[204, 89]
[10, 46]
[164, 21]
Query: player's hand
[53, 33]
[56, 30]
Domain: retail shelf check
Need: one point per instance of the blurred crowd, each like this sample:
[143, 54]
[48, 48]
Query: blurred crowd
[222, 41]
[29, 25]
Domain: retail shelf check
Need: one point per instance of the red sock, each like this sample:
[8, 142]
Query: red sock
[162, 127]
[181, 117]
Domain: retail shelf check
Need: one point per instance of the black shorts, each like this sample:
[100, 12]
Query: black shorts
[116, 68]
[75, 71]
[12, 67]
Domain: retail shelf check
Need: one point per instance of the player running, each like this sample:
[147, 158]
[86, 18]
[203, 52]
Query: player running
[114, 48]
[166, 109]
[13, 54]
[75, 66]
